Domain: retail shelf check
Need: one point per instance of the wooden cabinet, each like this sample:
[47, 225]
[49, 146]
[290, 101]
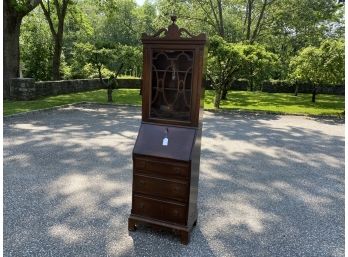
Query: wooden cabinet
[166, 154]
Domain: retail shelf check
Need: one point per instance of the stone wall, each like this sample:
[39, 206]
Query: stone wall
[28, 89]
[22, 89]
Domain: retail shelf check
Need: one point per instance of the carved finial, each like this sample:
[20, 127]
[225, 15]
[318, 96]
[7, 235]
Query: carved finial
[173, 18]
[173, 32]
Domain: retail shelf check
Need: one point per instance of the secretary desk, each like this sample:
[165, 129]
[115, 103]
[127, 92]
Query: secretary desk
[166, 155]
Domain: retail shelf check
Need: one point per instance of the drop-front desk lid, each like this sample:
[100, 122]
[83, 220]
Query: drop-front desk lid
[152, 141]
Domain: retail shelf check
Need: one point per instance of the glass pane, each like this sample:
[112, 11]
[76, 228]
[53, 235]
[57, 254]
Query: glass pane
[171, 84]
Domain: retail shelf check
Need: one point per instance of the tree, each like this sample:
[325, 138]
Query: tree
[36, 47]
[14, 12]
[225, 61]
[120, 23]
[145, 15]
[101, 58]
[112, 81]
[255, 15]
[81, 23]
[284, 27]
[259, 64]
[58, 12]
[295, 24]
[213, 14]
[322, 65]
[196, 15]
[332, 62]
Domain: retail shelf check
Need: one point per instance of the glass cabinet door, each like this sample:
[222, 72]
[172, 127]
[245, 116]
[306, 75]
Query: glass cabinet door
[171, 88]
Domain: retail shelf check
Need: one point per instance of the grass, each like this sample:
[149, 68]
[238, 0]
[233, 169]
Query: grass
[237, 100]
[121, 96]
[283, 103]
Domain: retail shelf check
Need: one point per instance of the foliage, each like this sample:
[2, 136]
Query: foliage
[119, 24]
[131, 57]
[80, 60]
[320, 65]
[111, 59]
[259, 64]
[24, 6]
[238, 100]
[64, 69]
[36, 45]
[332, 72]
[230, 61]
[297, 23]
[279, 27]
[123, 22]
[87, 56]
[306, 65]
[225, 62]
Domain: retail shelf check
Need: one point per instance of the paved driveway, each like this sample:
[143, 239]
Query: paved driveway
[269, 186]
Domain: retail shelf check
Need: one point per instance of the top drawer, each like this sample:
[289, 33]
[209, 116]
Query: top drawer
[161, 168]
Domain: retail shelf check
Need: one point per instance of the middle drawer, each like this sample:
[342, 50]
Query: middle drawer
[160, 187]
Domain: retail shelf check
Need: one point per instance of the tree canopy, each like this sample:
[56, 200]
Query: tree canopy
[323, 65]
[263, 38]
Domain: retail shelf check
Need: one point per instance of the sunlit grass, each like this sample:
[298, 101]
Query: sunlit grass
[121, 96]
[237, 100]
[279, 103]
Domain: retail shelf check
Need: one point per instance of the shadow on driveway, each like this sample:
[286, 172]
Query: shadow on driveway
[269, 186]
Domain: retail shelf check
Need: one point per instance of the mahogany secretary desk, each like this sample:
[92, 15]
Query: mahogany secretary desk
[166, 155]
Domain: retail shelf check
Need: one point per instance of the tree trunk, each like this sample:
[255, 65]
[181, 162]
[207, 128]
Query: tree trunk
[249, 8]
[57, 34]
[221, 20]
[259, 22]
[296, 90]
[56, 57]
[110, 93]
[217, 98]
[251, 84]
[314, 93]
[12, 24]
[224, 93]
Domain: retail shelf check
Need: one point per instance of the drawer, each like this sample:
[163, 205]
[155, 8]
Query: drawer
[160, 187]
[159, 168]
[160, 210]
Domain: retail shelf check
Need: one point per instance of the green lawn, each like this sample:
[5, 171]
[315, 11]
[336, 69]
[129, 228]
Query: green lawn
[279, 103]
[237, 100]
[122, 96]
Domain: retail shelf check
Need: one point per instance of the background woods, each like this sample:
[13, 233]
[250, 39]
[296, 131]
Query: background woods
[254, 40]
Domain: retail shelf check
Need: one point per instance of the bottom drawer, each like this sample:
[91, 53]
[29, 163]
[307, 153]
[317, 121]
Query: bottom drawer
[165, 211]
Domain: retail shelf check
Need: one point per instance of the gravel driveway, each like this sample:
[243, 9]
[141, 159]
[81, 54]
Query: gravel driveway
[269, 186]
